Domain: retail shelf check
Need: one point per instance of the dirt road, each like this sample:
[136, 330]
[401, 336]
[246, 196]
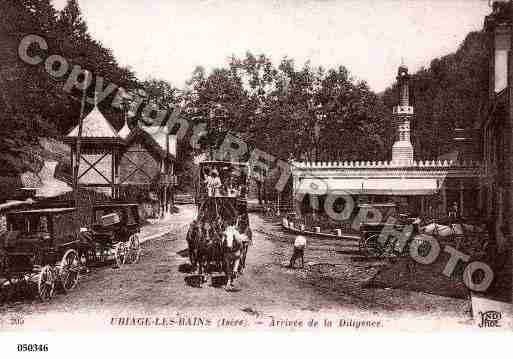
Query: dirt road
[331, 284]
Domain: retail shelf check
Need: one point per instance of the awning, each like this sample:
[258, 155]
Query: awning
[372, 186]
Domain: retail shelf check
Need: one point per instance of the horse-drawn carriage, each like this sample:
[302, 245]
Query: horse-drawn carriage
[40, 247]
[377, 223]
[114, 233]
[219, 236]
[381, 237]
[45, 249]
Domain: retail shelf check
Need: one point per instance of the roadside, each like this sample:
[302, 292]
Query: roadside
[168, 224]
[331, 285]
[334, 268]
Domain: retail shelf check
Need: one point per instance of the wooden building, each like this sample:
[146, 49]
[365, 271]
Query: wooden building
[147, 167]
[132, 164]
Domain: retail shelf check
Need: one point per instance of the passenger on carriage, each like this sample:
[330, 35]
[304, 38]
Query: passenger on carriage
[232, 189]
[213, 183]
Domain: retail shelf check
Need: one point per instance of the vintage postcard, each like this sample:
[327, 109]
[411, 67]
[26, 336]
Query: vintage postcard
[341, 166]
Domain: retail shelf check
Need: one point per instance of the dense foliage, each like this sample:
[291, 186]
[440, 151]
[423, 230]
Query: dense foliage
[32, 102]
[451, 93]
[304, 112]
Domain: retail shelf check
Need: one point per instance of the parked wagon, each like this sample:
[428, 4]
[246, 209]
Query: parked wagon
[114, 234]
[374, 240]
[41, 247]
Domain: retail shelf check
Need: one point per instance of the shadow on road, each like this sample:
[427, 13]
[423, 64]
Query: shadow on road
[184, 253]
[219, 281]
[185, 268]
[194, 280]
[350, 252]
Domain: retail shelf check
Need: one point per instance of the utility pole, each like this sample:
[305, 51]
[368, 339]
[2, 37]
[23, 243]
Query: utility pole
[78, 155]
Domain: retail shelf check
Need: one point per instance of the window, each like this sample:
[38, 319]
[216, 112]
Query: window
[502, 46]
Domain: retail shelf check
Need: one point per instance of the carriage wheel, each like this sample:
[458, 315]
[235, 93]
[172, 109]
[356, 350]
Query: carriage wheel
[372, 246]
[134, 249]
[121, 254]
[46, 283]
[69, 268]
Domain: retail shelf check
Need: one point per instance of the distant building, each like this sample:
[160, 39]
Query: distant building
[496, 130]
[422, 187]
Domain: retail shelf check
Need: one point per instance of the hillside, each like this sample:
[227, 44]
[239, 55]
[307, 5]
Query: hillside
[34, 104]
[451, 93]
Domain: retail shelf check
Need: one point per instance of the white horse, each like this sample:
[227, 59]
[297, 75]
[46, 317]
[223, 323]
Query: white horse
[232, 246]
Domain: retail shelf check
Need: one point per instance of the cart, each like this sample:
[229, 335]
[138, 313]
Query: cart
[41, 247]
[373, 239]
[114, 234]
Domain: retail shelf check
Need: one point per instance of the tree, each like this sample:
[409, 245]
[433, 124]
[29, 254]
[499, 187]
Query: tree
[71, 20]
[33, 103]
[161, 93]
[451, 93]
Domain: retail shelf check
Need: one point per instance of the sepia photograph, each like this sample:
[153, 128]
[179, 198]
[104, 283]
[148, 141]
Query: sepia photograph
[207, 166]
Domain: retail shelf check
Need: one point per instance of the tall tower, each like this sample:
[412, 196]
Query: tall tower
[402, 150]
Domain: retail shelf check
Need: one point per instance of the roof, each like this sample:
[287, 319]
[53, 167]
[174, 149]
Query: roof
[226, 163]
[149, 140]
[10, 204]
[50, 186]
[95, 125]
[46, 210]
[125, 131]
[115, 205]
[377, 205]
[371, 186]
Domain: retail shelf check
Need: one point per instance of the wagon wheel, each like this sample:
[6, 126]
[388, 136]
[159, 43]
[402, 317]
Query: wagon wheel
[120, 254]
[134, 249]
[69, 268]
[46, 283]
[372, 246]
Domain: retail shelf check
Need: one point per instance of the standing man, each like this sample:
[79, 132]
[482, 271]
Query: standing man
[453, 211]
[246, 239]
[299, 251]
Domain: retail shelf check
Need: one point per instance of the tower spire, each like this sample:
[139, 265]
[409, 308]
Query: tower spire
[402, 150]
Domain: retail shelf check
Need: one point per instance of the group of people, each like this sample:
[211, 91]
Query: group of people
[216, 187]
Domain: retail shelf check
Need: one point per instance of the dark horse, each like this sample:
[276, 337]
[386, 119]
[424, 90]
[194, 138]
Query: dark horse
[197, 246]
[214, 250]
